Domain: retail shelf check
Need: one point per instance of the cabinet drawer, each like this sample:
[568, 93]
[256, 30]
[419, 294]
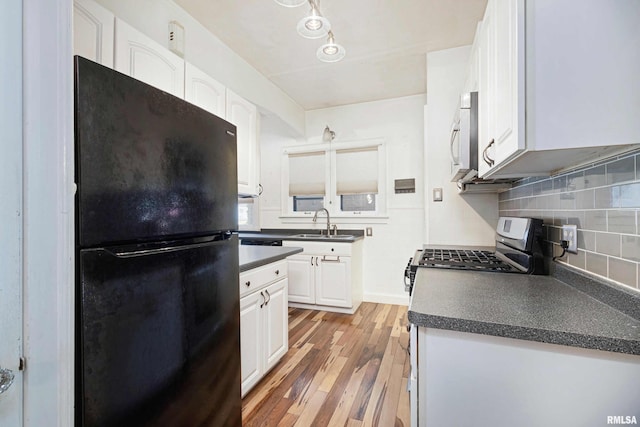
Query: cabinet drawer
[259, 277]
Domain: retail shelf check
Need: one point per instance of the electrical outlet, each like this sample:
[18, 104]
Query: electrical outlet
[369, 231]
[570, 234]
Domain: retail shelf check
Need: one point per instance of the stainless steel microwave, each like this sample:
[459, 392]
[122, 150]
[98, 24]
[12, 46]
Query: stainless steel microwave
[464, 139]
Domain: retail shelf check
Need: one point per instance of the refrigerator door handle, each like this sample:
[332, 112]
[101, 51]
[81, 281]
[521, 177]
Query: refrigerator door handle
[133, 252]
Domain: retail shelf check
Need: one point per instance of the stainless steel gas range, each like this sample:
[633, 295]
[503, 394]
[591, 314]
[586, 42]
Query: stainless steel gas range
[517, 250]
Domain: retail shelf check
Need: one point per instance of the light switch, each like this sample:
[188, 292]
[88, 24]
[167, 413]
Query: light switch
[437, 194]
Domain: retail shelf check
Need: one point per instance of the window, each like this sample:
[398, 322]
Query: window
[345, 178]
[307, 181]
[358, 203]
[357, 179]
[307, 203]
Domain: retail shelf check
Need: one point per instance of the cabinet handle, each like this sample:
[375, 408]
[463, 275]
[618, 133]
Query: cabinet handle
[277, 272]
[248, 283]
[264, 300]
[269, 295]
[485, 155]
[324, 259]
[260, 189]
[312, 261]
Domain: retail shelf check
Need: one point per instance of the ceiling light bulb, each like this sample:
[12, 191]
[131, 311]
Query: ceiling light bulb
[291, 3]
[314, 25]
[331, 51]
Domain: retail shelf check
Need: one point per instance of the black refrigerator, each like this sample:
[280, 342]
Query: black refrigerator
[157, 296]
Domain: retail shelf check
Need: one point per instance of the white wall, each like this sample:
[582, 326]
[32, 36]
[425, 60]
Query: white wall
[468, 219]
[208, 53]
[400, 123]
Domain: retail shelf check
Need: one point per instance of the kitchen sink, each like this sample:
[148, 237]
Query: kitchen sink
[323, 236]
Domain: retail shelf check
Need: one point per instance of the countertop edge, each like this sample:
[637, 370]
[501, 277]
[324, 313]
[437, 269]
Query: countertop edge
[616, 345]
[278, 253]
[289, 234]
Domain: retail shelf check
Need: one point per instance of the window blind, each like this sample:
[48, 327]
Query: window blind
[357, 171]
[307, 174]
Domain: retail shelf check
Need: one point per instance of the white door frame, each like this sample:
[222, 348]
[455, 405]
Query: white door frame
[11, 210]
[48, 212]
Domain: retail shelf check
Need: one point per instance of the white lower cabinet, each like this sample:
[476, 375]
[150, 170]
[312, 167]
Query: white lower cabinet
[326, 276]
[264, 325]
[483, 380]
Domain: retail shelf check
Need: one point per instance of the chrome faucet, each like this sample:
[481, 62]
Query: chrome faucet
[315, 218]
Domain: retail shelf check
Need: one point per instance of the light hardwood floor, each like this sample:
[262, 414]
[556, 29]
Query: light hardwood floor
[341, 370]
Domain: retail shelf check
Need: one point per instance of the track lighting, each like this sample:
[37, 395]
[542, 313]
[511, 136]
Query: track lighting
[314, 25]
[330, 51]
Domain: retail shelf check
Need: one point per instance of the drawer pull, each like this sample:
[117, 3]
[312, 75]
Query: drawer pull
[277, 272]
[324, 259]
[248, 283]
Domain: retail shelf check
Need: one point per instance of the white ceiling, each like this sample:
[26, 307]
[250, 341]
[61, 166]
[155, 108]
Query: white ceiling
[386, 42]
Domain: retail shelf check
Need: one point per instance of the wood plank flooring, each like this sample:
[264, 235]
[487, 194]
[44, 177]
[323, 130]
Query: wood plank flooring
[341, 370]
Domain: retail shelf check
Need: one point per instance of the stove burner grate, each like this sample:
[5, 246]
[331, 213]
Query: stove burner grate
[463, 259]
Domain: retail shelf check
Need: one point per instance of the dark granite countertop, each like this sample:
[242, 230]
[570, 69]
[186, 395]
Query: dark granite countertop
[290, 234]
[256, 256]
[535, 308]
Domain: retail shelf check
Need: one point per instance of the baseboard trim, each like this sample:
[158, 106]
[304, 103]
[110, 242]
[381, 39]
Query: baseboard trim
[386, 299]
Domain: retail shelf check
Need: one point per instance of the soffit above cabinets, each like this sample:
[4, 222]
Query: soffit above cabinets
[386, 43]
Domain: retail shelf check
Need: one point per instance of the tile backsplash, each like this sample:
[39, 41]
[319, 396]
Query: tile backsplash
[603, 200]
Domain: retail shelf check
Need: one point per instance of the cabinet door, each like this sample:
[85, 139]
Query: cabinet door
[471, 83]
[93, 32]
[244, 115]
[508, 72]
[203, 91]
[501, 83]
[333, 281]
[251, 350]
[302, 278]
[486, 87]
[144, 59]
[276, 323]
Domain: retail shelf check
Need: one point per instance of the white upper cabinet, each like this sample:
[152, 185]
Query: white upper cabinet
[501, 83]
[473, 72]
[204, 91]
[558, 85]
[93, 32]
[244, 115]
[144, 59]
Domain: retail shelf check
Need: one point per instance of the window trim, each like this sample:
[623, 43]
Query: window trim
[332, 199]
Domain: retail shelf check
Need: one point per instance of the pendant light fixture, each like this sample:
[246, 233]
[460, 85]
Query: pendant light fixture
[330, 51]
[291, 3]
[314, 25]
